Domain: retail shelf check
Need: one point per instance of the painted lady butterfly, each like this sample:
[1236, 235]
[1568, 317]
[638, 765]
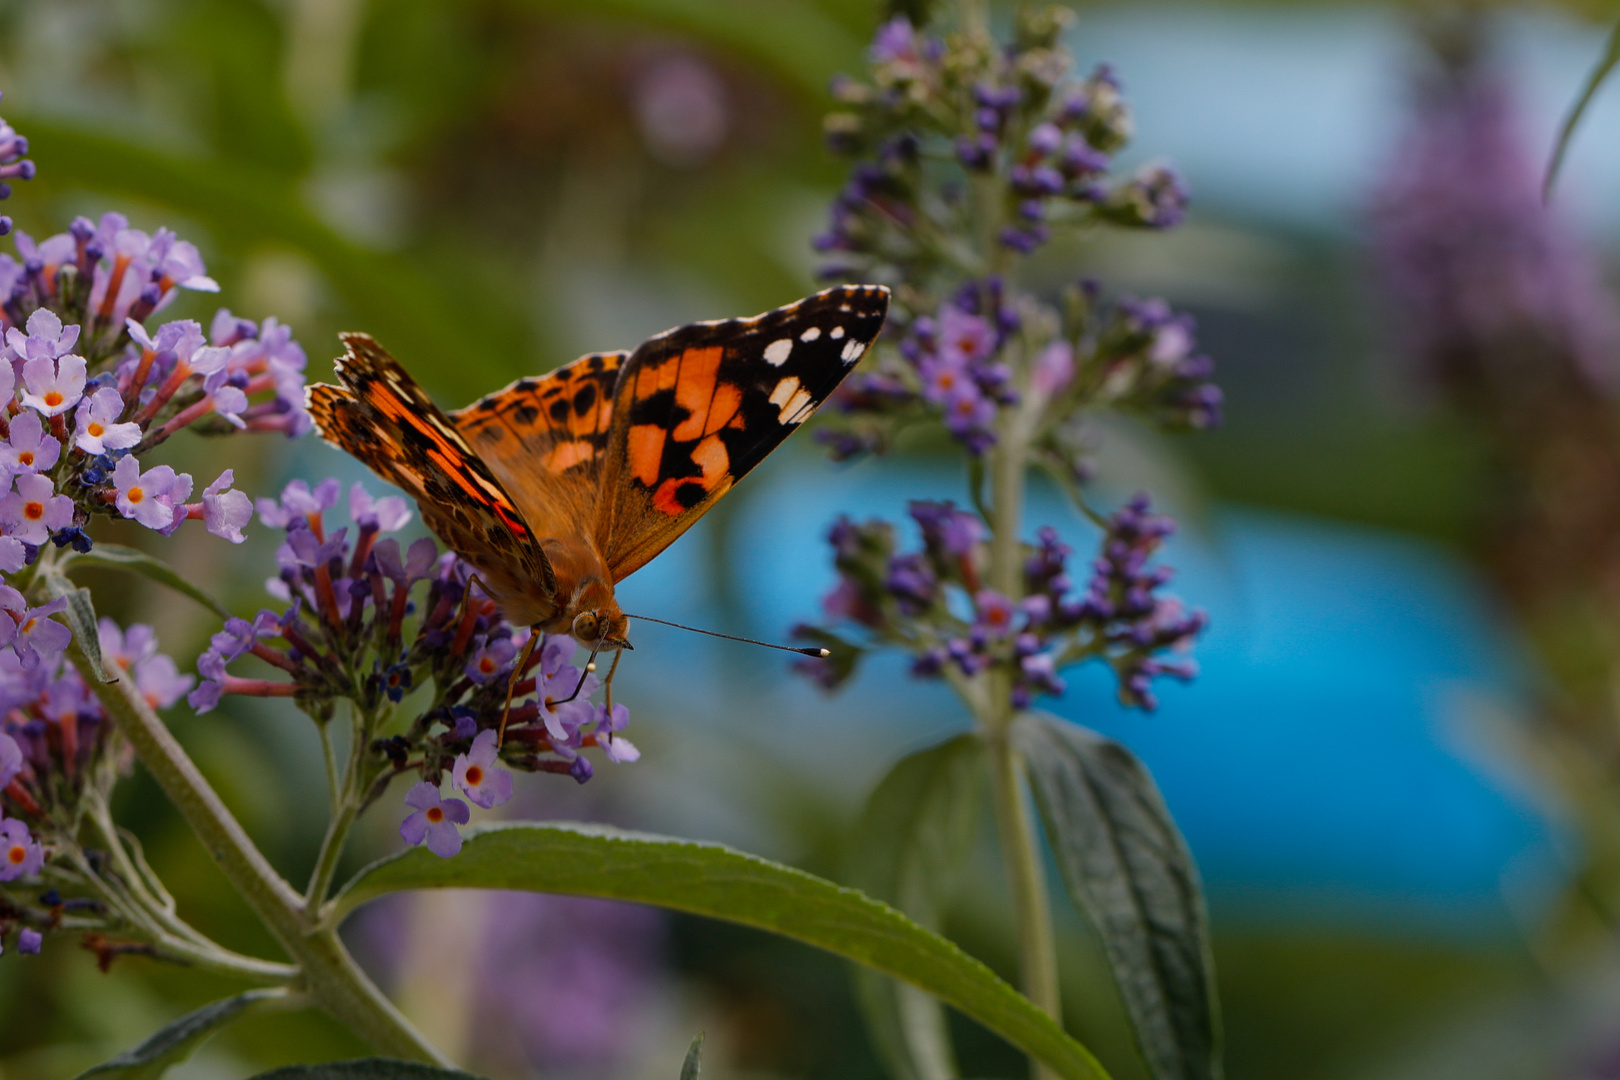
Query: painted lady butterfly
[559, 487]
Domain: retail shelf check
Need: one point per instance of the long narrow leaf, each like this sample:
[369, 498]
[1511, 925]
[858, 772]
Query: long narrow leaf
[176, 1042]
[692, 1066]
[1566, 131]
[118, 557]
[713, 880]
[1127, 867]
[918, 827]
[80, 615]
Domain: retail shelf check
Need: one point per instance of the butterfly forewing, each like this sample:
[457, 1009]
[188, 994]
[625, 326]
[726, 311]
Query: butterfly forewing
[381, 416]
[545, 439]
[698, 407]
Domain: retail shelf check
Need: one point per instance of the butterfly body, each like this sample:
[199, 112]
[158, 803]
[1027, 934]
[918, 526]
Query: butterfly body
[558, 487]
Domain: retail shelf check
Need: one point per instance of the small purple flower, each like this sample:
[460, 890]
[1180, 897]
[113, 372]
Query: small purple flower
[490, 661]
[39, 637]
[45, 339]
[1155, 197]
[54, 386]
[149, 497]
[13, 555]
[298, 501]
[946, 529]
[226, 511]
[416, 565]
[896, 41]
[29, 941]
[476, 775]
[971, 417]
[98, 426]
[1054, 369]
[387, 514]
[964, 338]
[28, 449]
[19, 854]
[619, 750]
[33, 511]
[995, 613]
[435, 820]
[160, 682]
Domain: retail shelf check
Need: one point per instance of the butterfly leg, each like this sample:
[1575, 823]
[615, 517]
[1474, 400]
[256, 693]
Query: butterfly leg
[517, 673]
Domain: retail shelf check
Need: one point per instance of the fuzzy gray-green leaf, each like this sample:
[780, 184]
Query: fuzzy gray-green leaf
[174, 1043]
[1126, 866]
[918, 827]
[716, 881]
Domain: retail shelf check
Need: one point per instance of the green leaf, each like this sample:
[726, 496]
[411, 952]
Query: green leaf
[176, 1042]
[694, 1059]
[713, 880]
[1127, 867]
[918, 827]
[1605, 65]
[365, 1069]
[118, 557]
[80, 616]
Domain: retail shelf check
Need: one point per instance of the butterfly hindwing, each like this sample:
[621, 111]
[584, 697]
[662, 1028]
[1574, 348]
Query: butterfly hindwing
[697, 407]
[380, 415]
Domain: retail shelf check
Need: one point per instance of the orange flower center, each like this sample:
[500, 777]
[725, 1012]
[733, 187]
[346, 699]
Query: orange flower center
[33, 511]
[95, 430]
[435, 814]
[25, 458]
[53, 398]
[29, 625]
[475, 775]
[17, 854]
[136, 494]
[487, 666]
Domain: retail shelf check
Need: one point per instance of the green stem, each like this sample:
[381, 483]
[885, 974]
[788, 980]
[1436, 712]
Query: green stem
[329, 975]
[337, 834]
[1020, 854]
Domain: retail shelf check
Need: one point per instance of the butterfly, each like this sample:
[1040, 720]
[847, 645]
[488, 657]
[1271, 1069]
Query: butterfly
[559, 487]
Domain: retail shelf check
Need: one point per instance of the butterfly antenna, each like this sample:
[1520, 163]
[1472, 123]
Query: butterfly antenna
[589, 667]
[820, 654]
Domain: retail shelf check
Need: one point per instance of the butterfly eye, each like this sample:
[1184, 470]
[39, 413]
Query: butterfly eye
[586, 626]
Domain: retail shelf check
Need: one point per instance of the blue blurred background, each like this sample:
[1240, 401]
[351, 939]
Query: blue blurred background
[1395, 851]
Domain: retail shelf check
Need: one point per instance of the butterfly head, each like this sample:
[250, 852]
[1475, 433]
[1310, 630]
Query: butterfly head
[604, 628]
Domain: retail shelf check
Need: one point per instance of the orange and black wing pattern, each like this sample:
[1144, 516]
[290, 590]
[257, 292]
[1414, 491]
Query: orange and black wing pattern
[380, 415]
[699, 406]
[545, 439]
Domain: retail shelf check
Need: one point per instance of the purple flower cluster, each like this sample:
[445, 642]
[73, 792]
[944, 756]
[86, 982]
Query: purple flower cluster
[1476, 271]
[13, 166]
[77, 404]
[55, 736]
[358, 625]
[933, 602]
[1051, 140]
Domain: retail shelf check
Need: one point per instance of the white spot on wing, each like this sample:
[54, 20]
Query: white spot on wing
[776, 353]
[810, 334]
[837, 332]
[852, 351]
[792, 398]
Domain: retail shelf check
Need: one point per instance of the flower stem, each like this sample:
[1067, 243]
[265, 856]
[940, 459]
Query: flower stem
[328, 973]
[1020, 854]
